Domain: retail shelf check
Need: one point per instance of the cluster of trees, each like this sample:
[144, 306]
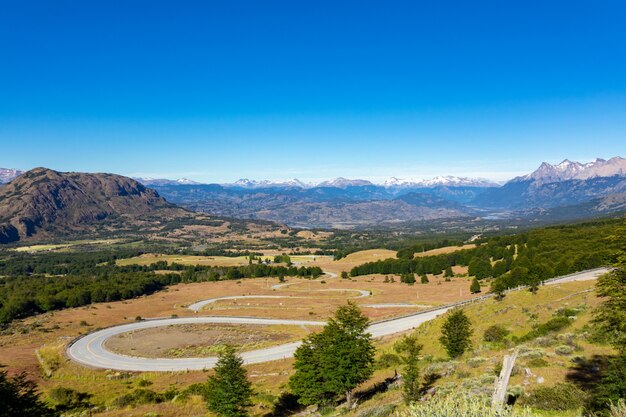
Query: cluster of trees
[23, 296]
[32, 284]
[282, 259]
[329, 365]
[522, 259]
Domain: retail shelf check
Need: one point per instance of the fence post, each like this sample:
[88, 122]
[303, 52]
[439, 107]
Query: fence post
[501, 384]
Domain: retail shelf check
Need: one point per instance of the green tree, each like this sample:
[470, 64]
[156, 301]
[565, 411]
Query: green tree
[334, 361]
[475, 286]
[18, 397]
[424, 279]
[448, 273]
[480, 268]
[228, 391]
[409, 349]
[456, 333]
[344, 275]
[610, 316]
[408, 278]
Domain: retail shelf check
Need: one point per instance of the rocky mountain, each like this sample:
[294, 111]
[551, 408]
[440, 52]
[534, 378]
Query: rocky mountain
[43, 202]
[565, 184]
[250, 184]
[162, 181]
[344, 183]
[441, 181]
[569, 188]
[7, 174]
[568, 170]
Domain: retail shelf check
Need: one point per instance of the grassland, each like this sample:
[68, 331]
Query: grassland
[67, 245]
[151, 258]
[36, 345]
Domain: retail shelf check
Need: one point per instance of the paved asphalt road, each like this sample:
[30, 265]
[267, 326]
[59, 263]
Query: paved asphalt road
[89, 350]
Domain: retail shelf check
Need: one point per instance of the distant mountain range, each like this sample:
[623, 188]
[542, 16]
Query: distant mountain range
[7, 174]
[567, 190]
[160, 181]
[336, 183]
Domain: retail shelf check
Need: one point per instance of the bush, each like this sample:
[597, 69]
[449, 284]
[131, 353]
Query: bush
[380, 411]
[387, 360]
[439, 369]
[553, 325]
[476, 361]
[537, 363]
[143, 396]
[461, 405]
[545, 341]
[528, 353]
[618, 409]
[560, 397]
[68, 399]
[564, 350]
[495, 334]
[144, 382]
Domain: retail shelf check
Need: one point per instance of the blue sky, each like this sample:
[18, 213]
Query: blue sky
[216, 91]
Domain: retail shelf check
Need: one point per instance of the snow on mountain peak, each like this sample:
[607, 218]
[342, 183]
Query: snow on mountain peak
[7, 174]
[447, 180]
[341, 182]
[568, 170]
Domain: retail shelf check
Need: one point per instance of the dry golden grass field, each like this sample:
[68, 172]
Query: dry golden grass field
[37, 344]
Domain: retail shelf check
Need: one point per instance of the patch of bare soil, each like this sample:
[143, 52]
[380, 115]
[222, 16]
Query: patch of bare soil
[200, 340]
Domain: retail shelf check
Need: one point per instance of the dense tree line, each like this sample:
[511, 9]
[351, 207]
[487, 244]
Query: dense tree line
[522, 259]
[31, 284]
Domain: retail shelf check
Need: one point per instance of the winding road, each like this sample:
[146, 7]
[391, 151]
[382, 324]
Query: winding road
[89, 350]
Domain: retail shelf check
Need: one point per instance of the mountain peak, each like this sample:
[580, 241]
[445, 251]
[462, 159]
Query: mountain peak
[8, 174]
[341, 182]
[446, 181]
[47, 202]
[568, 170]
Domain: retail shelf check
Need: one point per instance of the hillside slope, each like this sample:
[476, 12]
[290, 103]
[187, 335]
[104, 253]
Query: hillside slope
[43, 202]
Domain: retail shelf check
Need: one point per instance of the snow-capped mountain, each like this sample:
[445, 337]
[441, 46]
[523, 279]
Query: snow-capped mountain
[163, 181]
[565, 184]
[568, 170]
[446, 181]
[247, 183]
[7, 174]
[344, 183]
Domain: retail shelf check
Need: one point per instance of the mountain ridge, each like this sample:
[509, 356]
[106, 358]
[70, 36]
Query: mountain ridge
[45, 202]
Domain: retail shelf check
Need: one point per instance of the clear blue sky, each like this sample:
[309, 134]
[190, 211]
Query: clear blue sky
[216, 91]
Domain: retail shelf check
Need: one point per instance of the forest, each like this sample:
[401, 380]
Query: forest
[32, 284]
[522, 259]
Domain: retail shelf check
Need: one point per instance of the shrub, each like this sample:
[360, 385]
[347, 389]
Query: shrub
[618, 409]
[545, 341]
[387, 360]
[67, 398]
[537, 363]
[566, 312]
[439, 369]
[144, 382]
[553, 325]
[560, 397]
[380, 411]
[530, 353]
[476, 361]
[461, 405]
[487, 379]
[495, 334]
[144, 396]
[564, 350]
